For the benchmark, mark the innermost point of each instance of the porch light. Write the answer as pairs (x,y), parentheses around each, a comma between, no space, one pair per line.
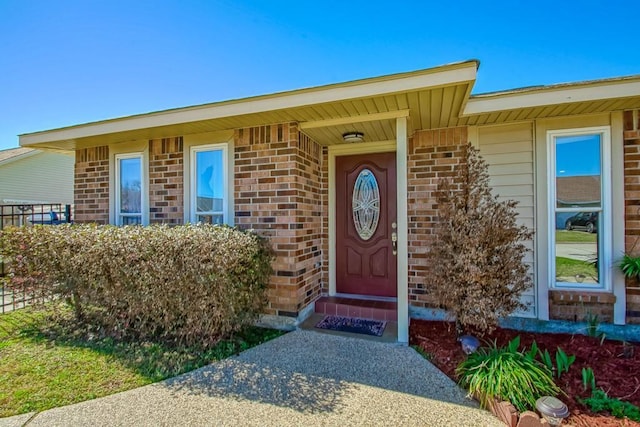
(552,410)
(353,136)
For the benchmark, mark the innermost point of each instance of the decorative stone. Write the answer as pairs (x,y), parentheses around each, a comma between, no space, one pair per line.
(531,419)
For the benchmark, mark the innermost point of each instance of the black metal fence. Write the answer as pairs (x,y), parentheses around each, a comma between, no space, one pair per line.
(26,215)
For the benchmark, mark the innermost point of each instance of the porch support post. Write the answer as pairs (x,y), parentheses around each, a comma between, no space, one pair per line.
(402,230)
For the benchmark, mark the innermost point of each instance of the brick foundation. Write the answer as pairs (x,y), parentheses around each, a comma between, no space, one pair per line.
(280,191)
(576,306)
(91,185)
(166,181)
(432,155)
(632,205)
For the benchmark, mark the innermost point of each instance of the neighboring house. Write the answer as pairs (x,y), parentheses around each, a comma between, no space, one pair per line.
(341,178)
(29,176)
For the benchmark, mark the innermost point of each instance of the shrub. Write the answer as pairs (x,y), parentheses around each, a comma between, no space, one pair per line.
(508,374)
(190,284)
(601,402)
(476,267)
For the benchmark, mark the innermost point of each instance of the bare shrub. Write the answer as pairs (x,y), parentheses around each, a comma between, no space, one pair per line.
(190,284)
(475,264)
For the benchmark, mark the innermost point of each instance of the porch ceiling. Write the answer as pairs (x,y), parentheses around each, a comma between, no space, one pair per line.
(431,98)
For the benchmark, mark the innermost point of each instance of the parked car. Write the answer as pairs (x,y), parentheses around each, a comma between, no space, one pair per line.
(587,221)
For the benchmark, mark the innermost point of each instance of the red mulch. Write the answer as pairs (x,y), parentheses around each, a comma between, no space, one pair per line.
(616,369)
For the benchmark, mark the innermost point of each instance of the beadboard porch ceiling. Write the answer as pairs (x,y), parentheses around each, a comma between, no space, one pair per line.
(431,98)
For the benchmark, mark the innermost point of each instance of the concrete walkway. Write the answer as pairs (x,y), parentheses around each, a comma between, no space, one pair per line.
(303,378)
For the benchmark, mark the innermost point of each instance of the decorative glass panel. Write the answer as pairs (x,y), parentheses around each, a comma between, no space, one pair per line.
(366,204)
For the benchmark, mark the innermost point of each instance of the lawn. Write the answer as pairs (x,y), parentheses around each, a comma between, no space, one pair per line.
(569,268)
(44,366)
(564,236)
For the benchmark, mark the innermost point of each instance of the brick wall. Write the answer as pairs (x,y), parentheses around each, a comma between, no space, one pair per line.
(632,205)
(279,192)
(91,185)
(166,181)
(577,305)
(432,155)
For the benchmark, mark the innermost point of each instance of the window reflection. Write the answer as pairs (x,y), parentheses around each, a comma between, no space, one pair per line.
(209,191)
(130,186)
(578,208)
(577,248)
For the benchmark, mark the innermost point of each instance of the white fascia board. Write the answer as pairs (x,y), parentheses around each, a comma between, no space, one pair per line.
(481,105)
(266,103)
(20,157)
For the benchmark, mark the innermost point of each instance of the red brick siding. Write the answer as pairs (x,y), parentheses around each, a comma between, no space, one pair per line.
(166,181)
(325,219)
(278,188)
(577,305)
(91,185)
(432,155)
(632,205)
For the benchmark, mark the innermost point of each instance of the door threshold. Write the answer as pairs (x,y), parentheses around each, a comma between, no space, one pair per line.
(365,297)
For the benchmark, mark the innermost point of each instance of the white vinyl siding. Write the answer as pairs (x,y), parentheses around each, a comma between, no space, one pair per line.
(508,150)
(41,177)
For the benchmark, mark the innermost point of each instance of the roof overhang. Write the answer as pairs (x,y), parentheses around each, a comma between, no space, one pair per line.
(556,100)
(432,98)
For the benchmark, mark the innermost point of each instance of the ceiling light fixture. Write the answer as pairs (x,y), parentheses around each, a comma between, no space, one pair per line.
(353,136)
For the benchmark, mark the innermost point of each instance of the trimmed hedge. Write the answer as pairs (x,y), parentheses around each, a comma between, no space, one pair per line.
(190,284)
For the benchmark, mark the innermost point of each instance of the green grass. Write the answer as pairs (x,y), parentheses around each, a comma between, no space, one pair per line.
(564,236)
(568,267)
(44,366)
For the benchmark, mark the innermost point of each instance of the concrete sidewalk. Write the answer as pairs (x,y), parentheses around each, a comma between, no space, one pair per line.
(302,378)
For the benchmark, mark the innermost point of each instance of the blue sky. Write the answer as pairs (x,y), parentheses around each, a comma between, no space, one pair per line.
(69,62)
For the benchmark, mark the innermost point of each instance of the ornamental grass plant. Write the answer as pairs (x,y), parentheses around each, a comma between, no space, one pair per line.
(507,374)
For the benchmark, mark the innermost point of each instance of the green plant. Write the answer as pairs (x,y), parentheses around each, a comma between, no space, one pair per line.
(630,266)
(506,373)
(600,402)
(592,324)
(547,360)
(563,362)
(588,379)
(476,263)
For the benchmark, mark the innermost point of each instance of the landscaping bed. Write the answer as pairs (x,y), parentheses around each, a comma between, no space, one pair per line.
(616,365)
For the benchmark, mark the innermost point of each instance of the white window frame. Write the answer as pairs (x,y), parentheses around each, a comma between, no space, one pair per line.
(224,147)
(118,215)
(605,229)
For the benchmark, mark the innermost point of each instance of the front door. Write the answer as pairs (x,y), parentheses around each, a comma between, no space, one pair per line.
(366,224)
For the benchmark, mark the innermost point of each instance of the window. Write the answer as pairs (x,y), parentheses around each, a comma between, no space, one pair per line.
(209,184)
(580,240)
(129,189)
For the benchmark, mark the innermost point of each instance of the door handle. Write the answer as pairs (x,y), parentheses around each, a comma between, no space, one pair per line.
(394,242)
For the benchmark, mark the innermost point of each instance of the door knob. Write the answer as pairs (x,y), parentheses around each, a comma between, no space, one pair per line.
(394,242)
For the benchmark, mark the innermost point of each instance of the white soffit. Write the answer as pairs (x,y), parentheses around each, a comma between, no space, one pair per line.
(405,82)
(553,95)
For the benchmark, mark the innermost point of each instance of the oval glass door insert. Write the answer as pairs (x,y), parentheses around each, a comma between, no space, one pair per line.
(366,204)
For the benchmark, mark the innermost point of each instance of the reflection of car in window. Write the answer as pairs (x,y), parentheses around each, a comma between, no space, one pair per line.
(587,221)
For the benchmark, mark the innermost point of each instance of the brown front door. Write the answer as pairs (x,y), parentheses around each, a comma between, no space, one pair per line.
(365,224)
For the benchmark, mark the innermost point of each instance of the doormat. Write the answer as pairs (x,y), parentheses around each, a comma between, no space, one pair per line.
(349,324)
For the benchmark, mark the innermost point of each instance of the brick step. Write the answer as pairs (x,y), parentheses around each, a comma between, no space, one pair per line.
(360,308)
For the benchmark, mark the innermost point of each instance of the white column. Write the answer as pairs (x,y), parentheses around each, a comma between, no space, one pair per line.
(403,248)
(617,216)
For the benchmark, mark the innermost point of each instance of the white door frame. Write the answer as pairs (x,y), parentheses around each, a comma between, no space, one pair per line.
(399,146)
